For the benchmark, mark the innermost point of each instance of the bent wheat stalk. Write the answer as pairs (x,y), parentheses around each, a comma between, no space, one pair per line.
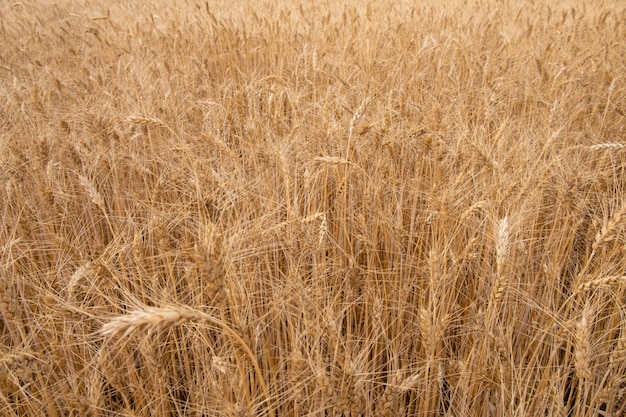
(154,318)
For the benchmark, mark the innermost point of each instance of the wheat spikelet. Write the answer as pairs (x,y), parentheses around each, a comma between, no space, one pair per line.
(607,147)
(410,382)
(377,316)
(296,371)
(500,284)
(79,406)
(390,395)
(16,371)
(324,384)
(332,160)
(17,359)
(358,114)
(150,319)
(582,344)
(80,273)
(220,365)
(426,328)
(147,121)
(477,206)
(604,282)
(442,377)
(92,191)
(611,228)
(620,350)
(323,231)
(209,257)
(502,243)
(8,299)
(394,389)
(238,409)
(313,217)
(222,146)
(352,396)
(497,291)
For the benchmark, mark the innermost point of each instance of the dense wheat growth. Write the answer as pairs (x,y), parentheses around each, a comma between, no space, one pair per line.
(389,208)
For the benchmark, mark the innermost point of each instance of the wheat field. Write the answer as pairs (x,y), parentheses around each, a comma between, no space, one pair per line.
(393,208)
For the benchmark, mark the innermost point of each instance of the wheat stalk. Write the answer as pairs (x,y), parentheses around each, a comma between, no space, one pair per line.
(607,146)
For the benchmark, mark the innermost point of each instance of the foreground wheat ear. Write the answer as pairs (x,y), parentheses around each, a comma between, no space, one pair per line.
(288,208)
(149,319)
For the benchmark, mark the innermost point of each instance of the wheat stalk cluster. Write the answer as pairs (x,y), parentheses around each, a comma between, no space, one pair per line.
(293,208)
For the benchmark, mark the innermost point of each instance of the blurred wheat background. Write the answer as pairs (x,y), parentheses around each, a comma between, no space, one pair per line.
(390,208)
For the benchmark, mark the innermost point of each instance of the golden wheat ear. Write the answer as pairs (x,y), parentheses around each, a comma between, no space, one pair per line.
(611,228)
(149,319)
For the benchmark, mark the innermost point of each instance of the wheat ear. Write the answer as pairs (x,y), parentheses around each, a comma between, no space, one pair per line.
(151,319)
(502,244)
(611,228)
(332,160)
(582,350)
(604,282)
(148,121)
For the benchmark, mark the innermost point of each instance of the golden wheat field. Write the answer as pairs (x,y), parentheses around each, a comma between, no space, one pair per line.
(286,208)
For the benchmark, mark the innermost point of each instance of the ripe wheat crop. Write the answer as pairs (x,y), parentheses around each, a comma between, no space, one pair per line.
(283,208)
